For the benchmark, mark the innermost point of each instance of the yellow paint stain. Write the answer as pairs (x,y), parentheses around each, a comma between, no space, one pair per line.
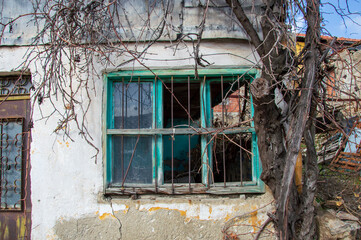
(97,212)
(182,213)
(67,144)
(210,211)
(235,209)
(21,226)
(59,142)
(227,217)
(105,215)
(50,237)
(125,211)
(254,220)
(6,234)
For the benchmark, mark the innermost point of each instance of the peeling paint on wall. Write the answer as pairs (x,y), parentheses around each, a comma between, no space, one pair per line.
(167,218)
(67,186)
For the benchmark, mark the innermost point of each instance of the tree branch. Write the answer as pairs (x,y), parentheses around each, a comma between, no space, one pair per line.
(246,24)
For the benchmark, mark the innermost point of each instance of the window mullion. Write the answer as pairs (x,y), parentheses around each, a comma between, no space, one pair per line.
(205,139)
(109,123)
(158,124)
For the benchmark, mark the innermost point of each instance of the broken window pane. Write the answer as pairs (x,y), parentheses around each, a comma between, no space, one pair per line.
(180,107)
(235,109)
(237,157)
(186,114)
(180,158)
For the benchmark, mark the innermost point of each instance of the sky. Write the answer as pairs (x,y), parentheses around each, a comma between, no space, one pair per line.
(348,26)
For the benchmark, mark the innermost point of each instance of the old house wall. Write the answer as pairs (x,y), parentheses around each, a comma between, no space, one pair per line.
(67,181)
(347,81)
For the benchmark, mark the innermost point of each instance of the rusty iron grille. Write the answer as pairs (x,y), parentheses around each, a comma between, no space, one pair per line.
(181,136)
(15,85)
(11,130)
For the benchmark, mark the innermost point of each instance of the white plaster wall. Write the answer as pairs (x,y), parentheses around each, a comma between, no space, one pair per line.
(65,180)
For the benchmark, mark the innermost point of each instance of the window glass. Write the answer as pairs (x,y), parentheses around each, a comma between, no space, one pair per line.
(132,103)
(11,163)
(132,159)
(203,135)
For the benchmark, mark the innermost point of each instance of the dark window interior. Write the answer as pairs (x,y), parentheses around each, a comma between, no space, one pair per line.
(237,160)
(186,148)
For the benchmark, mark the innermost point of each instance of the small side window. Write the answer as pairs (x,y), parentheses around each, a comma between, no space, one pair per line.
(14,97)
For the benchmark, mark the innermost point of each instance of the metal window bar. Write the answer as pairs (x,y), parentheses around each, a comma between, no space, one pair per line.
(239,120)
(205,171)
(139,99)
(172,123)
(155,138)
(131,160)
(189,136)
(11,197)
(186,131)
(223,148)
(139,112)
(15,85)
(122,139)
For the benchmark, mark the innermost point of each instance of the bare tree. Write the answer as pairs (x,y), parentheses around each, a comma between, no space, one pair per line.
(294,217)
(74,35)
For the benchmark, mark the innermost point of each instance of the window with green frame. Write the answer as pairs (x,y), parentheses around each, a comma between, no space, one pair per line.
(167,132)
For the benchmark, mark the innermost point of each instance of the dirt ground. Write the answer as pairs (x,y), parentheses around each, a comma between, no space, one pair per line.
(339,191)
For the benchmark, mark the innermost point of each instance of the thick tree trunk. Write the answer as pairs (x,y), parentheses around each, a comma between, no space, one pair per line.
(269,133)
(299,119)
(279,149)
(308,227)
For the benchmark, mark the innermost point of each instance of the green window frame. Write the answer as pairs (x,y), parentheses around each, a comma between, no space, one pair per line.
(155,83)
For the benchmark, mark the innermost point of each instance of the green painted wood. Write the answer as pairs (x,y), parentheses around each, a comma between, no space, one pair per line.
(180,190)
(180,75)
(178,131)
(159,125)
(159,104)
(184,73)
(258,164)
(154,159)
(154,125)
(204,139)
(209,118)
(159,152)
(180,185)
(257,167)
(105,123)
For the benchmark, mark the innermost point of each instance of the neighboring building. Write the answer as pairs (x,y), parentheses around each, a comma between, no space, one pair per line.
(342,80)
(344,88)
(175,161)
(339,104)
